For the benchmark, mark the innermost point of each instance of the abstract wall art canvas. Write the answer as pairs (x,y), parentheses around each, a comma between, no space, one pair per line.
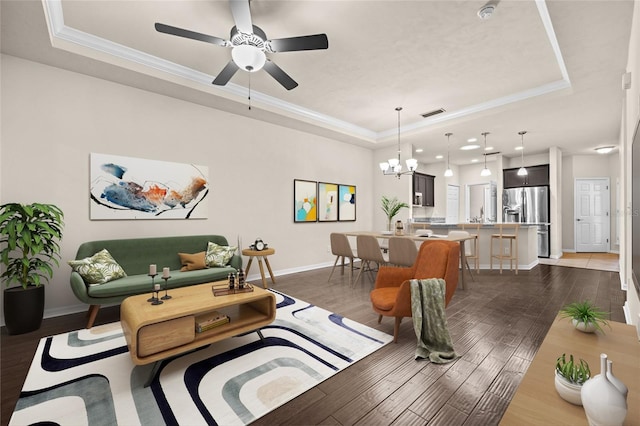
(135,188)
(305,196)
(346,203)
(327,202)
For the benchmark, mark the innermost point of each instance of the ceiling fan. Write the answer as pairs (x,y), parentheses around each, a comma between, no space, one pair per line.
(249,46)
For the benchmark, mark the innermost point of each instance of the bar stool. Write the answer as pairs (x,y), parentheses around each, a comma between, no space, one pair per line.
(512,238)
(473,252)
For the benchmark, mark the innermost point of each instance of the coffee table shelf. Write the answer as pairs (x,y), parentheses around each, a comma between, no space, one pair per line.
(157,332)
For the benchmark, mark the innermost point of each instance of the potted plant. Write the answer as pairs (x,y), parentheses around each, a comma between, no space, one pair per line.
(29,235)
(585,316)
(569,378)
(391,207)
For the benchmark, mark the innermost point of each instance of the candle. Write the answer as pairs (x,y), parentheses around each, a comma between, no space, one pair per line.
(156,287)
(152,269)
(165,272)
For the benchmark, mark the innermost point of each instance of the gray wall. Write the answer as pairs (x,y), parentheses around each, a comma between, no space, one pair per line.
(53,119)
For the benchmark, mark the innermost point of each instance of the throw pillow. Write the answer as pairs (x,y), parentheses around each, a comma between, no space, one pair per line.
(98,269)
(219,255)
(192,262)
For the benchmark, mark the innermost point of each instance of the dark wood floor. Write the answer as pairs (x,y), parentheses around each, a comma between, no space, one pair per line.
(497,325)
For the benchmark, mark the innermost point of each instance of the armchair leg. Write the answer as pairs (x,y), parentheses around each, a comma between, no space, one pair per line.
(396,329)
(92,313)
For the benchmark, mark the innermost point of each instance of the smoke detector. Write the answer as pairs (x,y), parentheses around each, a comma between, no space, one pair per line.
(486,11)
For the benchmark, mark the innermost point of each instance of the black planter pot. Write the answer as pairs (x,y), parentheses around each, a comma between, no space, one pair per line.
(23,309)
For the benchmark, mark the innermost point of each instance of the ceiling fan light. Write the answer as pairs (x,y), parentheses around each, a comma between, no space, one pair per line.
(485,172)
(248,58)
(412,164)
(522,171)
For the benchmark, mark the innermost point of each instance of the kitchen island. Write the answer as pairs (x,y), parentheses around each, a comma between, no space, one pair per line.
(527,241)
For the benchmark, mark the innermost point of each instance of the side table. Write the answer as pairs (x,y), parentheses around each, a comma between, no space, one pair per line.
(260,255)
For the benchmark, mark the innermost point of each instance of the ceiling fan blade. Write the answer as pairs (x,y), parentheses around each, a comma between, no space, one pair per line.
(281,76)
(225,75)
(241,15)
(310,42)
(180,32)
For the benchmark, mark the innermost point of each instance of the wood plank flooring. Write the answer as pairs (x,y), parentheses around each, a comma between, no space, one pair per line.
(497,325)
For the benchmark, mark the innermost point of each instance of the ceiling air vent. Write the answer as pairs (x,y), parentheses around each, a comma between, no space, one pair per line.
(432,113)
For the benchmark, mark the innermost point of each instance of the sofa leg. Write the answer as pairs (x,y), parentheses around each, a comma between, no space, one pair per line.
(92,313)
(396,329)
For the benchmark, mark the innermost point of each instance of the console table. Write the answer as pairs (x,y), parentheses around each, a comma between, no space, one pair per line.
(536,401)
(157,332)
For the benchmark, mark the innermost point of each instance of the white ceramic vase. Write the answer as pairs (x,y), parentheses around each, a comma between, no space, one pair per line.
(568,391)
(587,327)
(615,381)
(603,403)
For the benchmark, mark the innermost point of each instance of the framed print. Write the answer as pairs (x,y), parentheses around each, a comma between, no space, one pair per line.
(346,203)
(138,188)
(305,198)
(327,202)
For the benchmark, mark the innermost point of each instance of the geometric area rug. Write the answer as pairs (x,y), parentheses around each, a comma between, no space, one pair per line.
(86,377)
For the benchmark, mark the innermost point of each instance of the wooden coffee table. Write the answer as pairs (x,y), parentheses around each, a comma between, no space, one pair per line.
(157,332)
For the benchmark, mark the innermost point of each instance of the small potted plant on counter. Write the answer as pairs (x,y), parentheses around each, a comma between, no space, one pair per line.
(570,376)
(585,316)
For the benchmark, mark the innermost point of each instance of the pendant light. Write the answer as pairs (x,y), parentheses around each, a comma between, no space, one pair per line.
(485,172)
(392,167)
(448,172)
(522,171)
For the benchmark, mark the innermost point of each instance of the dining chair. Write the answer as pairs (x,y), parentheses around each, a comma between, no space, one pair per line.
(467,248)
(391,295)
(369,251)
(402,251)
(341,248)
(503,254)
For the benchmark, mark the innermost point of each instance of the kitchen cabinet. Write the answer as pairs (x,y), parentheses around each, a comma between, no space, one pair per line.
(536,176)
(423,184)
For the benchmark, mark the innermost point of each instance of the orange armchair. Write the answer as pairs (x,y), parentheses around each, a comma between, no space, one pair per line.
(391,296)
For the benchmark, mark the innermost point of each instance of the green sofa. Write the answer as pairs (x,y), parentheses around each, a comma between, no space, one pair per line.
(134,256)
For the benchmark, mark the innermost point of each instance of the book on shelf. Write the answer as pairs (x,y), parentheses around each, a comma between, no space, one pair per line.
(210,320)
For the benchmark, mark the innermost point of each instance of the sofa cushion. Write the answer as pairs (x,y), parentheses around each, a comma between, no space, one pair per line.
(98,269)
(192,262)
(218,255)
(138,284)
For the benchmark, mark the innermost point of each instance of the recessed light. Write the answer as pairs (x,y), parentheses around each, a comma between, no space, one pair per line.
(489,148)
(469,147)
(439,157)
(518,148)
(486,11)
(419,150)
(604,149)
(470,140)
(475,160)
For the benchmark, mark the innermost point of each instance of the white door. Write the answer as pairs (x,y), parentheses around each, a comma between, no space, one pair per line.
(592,219)
(453,203)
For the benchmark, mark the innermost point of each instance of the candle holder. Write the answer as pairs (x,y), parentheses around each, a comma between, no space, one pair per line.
(153,288)
(166,296)
(155,300)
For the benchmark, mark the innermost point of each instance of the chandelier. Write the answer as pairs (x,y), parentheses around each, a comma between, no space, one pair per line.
(522,171)
(392,167)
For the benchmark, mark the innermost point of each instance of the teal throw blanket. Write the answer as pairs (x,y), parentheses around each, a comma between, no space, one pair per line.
(430,321)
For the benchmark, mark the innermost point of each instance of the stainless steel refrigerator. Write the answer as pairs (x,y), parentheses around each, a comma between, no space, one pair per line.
(529,205)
